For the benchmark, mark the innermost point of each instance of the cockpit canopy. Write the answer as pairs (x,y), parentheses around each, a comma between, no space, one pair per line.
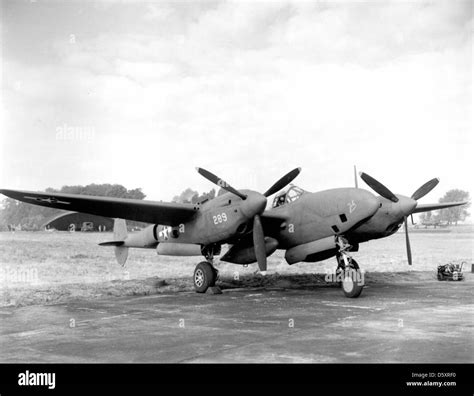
(292,194)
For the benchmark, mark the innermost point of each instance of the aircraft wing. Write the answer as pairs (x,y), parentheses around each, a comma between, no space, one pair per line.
(171,214)
(430,207)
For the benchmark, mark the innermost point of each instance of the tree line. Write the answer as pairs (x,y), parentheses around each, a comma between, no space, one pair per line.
(448,216)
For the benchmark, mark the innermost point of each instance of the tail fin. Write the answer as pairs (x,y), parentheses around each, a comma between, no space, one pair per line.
(121,254)
(120,229)
(120,234)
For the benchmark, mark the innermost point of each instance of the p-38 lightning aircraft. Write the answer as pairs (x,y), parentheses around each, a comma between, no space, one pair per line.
(310,227)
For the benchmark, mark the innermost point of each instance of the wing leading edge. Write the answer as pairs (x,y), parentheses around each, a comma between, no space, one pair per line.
(429,207)
(171,214)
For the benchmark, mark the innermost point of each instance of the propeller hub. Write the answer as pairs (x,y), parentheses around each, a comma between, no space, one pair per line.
(407,205)
(254,204)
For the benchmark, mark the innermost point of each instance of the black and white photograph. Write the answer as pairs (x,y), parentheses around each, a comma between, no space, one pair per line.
(270,188)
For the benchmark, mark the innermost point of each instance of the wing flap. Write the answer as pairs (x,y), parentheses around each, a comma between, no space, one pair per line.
(164,213)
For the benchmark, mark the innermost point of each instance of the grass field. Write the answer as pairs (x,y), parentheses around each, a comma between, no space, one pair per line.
(42,267)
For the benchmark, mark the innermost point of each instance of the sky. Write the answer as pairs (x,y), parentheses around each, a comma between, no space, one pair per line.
(141,93)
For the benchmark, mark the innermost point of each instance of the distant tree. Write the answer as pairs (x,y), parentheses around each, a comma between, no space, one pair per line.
(204,196)
(101,190)
(191,196)
(425,217)
(457,213)
(136,193)
(185,196)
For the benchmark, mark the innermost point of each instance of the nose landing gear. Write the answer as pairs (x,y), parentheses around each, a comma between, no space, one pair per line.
(348,270)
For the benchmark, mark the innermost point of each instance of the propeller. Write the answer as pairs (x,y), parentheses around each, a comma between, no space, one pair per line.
(425,189)
(407,241)
(220,182)
(283,182)
(378,187)
(259,243)
(405,205)
(258,233)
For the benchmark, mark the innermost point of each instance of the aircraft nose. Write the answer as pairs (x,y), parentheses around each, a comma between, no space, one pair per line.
(254,204)
(371,202)
(407,205)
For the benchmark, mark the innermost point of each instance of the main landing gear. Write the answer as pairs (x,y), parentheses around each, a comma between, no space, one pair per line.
(352,280)
(205,274)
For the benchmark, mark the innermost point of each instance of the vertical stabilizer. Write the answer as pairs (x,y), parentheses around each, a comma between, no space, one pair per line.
(120,230)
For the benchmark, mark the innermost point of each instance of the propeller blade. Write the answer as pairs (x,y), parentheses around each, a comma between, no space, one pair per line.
(259,243)
(220,182)
(425,189)
(412,222)
(283,182)
(407,240)
(355,177)
(378,187)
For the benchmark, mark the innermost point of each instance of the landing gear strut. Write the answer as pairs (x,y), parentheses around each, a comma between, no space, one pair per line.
(205,275)
(348,270)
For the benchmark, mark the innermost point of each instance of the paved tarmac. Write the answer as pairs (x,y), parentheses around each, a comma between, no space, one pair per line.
(425,321)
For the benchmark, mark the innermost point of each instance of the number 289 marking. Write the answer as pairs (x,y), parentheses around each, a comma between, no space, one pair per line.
(219,218)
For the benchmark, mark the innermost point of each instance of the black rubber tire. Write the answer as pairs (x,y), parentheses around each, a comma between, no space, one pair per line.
(205,276)
(354,264)
(350,287)
(339,269)
(216,276)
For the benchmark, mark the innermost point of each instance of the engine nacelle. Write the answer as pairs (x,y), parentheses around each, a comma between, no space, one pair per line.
(305,251)
(244,252)
(178,249)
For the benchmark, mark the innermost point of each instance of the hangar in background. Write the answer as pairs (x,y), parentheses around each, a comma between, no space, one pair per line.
(74,221)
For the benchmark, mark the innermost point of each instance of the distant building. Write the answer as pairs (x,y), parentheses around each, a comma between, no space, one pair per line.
(79,222)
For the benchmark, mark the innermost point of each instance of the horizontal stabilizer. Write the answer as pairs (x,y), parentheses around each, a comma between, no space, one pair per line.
(111,243)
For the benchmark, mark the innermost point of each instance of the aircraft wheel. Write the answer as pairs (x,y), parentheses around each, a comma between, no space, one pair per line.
(340,269)
(352,283)
(205,276)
